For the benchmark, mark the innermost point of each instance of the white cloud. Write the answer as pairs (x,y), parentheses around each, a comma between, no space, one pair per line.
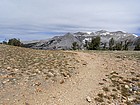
(37,16)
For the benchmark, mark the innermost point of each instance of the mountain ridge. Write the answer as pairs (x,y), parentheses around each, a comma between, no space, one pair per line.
(65,42)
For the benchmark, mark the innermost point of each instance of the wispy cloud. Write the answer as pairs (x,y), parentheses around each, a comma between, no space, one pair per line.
(38,19)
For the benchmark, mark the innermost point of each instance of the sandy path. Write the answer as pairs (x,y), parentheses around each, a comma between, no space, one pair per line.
(76,89)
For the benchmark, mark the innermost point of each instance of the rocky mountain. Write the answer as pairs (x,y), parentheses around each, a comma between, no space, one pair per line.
(65,42)
(58,42)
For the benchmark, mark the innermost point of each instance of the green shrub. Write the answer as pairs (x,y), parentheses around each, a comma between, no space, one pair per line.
(14,42)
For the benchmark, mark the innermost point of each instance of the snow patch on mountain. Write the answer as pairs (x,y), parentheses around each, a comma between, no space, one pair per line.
(135,35)
(88,33)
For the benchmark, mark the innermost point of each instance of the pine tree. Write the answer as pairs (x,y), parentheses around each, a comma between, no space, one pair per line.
(111,44)
(137,47)
(118,46)
(94,44)
(125,47)
(75,46)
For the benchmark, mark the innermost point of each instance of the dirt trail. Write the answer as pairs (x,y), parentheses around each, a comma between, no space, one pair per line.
(63,87)
(92,69)
(76,89)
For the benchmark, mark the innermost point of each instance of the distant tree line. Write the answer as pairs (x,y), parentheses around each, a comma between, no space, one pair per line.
(95,43)
(118,45)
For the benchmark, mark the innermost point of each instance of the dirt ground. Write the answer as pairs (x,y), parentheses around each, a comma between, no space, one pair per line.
(81,87)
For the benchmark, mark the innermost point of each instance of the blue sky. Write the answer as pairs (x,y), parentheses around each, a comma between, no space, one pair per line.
(41,19)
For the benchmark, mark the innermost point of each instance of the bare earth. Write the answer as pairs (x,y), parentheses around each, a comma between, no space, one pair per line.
(81,88)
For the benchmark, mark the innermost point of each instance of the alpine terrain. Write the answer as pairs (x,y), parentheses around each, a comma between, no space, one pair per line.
(65,42)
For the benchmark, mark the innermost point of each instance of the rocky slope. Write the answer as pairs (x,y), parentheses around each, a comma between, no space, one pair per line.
(24,70)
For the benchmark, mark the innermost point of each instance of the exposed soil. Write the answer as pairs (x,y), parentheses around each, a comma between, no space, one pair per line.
(38,77)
